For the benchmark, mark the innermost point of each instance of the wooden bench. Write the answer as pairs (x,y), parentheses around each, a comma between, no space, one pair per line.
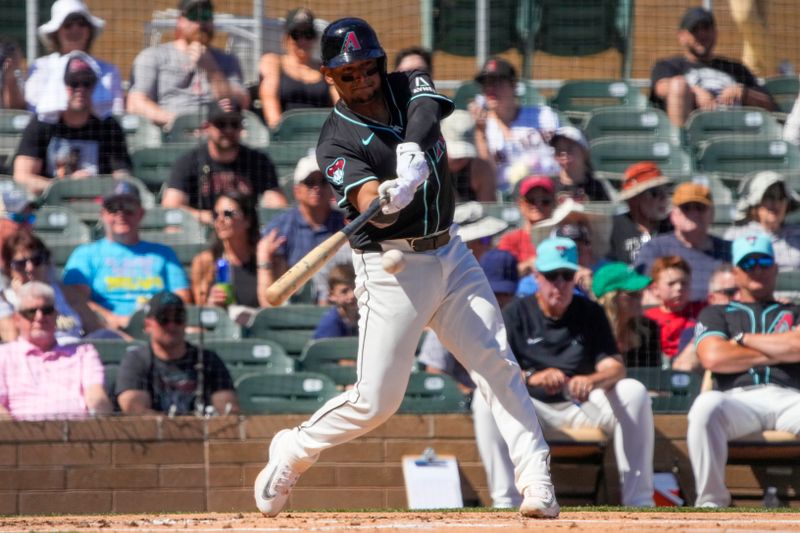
(581,448)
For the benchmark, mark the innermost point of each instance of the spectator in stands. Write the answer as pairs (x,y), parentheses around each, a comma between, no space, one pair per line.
(618,288)
(236,235)
(752,347)
(764,201)
(575,176)
(691,216)
(722,288)
(645,190)
(164,376)
(293,80)
(342,319)
(414,58)
(473,176)
(698,79)
(292,234)
(74,143)
(120,272)
(11,88)
(477,229)
(675,313)
(536,203)
(17,215)
(221,164)
(40,379)
(509,136)
(501,270)
(72,28)
(574,370)
(184,75)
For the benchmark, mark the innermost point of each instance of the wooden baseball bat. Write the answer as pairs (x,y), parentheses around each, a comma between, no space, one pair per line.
(303,270)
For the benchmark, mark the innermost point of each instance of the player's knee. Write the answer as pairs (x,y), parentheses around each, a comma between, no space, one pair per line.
(380,406)
(705,409)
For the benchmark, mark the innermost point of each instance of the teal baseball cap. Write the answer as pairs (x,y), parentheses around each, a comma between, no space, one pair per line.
(618,276)
(745,245)
(556,253)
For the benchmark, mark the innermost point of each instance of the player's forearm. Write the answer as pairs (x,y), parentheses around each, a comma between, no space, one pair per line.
(782,347)
(33,183)
(423,122)
(725,357)
(140,104)
(607,375)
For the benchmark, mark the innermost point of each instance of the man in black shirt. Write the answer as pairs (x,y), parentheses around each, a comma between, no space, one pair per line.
(382,140)
(163,377)
(77,144)
(220,164)
(699,80)
(752,347)
(573,368)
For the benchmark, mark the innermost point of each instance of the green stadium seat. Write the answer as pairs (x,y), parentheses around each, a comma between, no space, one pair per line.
(300,125)
(615,154)
(12,124)
(215,322)
(432,393)
(112,351)
(291,326)
(740,155)
(703,125)
(298,393)
(153,165)
(252,356)
(670,391)
(334,357)
(286,154)
(584,96)
(110,372)
(454,26)
(139,131)
(186,128)
(60,225)
(85,196)
(784,90)
(627,121)
(788,285)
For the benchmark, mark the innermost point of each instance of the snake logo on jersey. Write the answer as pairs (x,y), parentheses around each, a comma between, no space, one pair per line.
(350,43)
(783,323)
(335,171)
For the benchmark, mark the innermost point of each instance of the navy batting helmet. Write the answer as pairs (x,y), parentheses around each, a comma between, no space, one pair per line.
(348,40)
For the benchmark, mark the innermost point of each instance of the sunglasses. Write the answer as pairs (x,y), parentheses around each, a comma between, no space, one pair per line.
(693,206)
(21,218)
(730,293)
(200,14)
(541,202)
(349,78)
(776,196)
(309,35)
(36,260)
(749,264)
(657,192)
(30,314)
(75,21)
(125,208)
(311,183)
(232,124)
(230,214)
(80,84)
(178,318)
(566,275)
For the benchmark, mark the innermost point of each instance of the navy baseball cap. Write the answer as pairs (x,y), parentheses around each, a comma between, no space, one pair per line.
(163,301)
(123,190)
(500,268)
(696,15)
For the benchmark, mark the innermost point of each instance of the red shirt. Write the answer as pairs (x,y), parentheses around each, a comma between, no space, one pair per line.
(518,243)
(672,324)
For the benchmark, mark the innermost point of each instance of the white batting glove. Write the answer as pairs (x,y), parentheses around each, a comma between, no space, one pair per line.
(412,167)
(398,195)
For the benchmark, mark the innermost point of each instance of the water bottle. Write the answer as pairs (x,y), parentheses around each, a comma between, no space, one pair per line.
(771,499)
(224,279)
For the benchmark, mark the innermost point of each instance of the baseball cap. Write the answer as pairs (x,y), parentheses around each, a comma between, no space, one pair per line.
(123,190)
(556,253)
(575,232)
(758,243)
(474,223)
(13,203)
(618,276)
(640,177)
(185,5)
(79,68)
(691,192)
(573,134)
(500,268)
(458,131)
(161,302)
(299,19)
(752,190)
(696,15)
(305,167)
(497,68)
(224,108)
(531,182)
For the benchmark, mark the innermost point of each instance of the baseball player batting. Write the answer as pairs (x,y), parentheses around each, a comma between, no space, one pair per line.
(383,139)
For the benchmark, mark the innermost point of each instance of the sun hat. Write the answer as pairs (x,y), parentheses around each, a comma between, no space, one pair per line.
(473,223)
(752,190)
(59,12)
(640,177)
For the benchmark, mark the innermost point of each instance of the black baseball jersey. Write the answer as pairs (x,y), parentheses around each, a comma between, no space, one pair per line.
(574,343)
(727,321)
(353,150)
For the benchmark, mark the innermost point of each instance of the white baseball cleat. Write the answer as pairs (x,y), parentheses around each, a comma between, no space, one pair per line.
(539,502)
(275,481)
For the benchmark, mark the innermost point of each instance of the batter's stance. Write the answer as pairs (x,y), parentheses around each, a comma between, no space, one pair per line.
(383,139)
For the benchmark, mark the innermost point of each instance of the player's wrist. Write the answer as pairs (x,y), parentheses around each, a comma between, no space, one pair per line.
(408,147)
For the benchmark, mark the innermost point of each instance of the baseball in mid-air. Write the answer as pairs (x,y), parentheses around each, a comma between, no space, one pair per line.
(393,261)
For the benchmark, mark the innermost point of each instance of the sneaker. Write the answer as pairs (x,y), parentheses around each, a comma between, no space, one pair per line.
(275,481)
(539,502)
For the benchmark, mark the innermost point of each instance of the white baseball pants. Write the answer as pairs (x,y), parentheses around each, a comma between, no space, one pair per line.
(717,417)
(447,290)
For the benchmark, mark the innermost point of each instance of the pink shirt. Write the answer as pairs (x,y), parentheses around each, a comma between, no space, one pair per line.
(36,384)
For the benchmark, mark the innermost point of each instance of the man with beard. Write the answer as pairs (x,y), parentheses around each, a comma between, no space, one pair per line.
(180,76)
(699,80)
(221,164)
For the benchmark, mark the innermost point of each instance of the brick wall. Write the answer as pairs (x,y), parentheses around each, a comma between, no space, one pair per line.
(186,464)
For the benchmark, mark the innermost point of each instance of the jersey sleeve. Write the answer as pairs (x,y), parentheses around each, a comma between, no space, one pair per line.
(711,322)
(32,143)
(420,85)
(344,168)
(183,173)
(145,73)
(133,372)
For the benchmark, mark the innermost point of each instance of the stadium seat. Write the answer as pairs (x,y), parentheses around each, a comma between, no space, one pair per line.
(215,322)
(527,93)
(703,125)
(84,196)
(186,128)
(300,125)
(788,285)
(291,326)
(60,225)
(112,351)
(298,393)
(432,393)
(627,121)
(454,26)
(285,154)
(584,96)
(670,391)
(615,154)
(139,131)
(335,357)
(784,90)
(153,165)
(265,214)
(12,124)
(506,211)
(252,356)
(739,155)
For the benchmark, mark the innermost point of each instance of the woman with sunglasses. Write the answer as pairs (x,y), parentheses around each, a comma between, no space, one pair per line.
(576,178)
(293,80)
(236,234)
(73,28)
(764,201)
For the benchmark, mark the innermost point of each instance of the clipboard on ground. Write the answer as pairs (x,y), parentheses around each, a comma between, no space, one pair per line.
(432,482)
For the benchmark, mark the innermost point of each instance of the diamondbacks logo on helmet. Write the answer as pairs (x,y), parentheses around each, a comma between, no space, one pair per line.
(335,171)
(350,43)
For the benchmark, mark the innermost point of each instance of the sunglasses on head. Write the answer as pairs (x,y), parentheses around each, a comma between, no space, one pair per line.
(230,214)
(30,313)
(309,35)
(80,84)
(233,123)
(21,218)
(348,77)
(200,14)
(555,275)
(120,207)
(750,263)
(729,292)
(36,260)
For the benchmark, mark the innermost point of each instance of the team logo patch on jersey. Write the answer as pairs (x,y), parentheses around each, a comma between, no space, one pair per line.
(421,85)
(335,171)
(438,149)
(350,43)
(783,323)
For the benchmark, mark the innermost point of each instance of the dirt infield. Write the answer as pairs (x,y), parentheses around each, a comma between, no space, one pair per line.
(572,521)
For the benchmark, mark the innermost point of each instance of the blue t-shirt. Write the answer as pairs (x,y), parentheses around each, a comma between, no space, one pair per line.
(332,325)
(301,238)
(120,276)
